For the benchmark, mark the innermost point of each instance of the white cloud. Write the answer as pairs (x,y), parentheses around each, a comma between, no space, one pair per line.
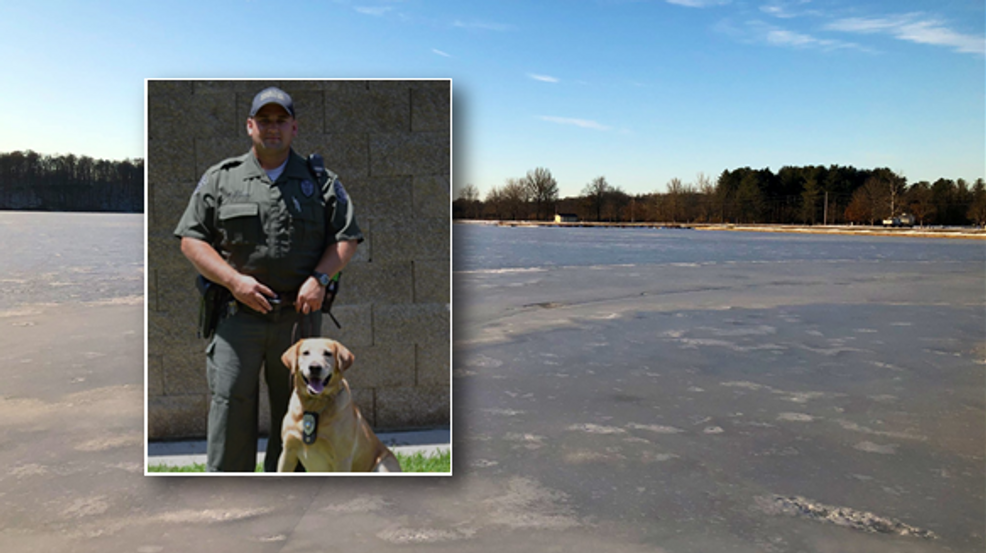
(698,3)
(440,53)
(484,26)
(543,78)
(869,25)
(775,11)
(786,9)
(759,32)
(375,11)
(584,123)
(783,37)
(913,27)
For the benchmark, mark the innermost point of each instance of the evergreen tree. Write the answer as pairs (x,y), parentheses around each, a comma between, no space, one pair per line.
(977,209)
(809,201)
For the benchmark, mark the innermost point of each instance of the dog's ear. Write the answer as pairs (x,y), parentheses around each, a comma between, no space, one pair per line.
(344,356)
(290,357)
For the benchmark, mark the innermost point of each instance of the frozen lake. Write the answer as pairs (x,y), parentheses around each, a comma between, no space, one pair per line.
(70,257)
(615,390)
(712,391)
(489,247)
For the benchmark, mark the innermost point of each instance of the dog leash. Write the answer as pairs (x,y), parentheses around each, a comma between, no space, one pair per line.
(305,324)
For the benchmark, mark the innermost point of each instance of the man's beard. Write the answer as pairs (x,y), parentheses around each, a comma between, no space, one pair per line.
(273,145)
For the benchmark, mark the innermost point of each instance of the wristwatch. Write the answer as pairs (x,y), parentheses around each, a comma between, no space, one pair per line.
(322,278)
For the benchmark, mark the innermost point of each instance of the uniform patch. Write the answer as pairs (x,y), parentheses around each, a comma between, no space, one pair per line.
(341,192)
(307,188)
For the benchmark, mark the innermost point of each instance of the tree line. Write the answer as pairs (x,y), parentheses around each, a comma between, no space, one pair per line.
(36,182)
(804,195)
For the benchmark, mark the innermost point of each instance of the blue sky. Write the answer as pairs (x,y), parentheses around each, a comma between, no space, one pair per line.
(637,91)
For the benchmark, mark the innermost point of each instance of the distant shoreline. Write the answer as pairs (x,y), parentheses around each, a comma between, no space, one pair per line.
(44,210)
(969,233)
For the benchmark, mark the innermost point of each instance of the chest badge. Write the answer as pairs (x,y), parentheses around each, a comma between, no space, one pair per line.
(307,188)
(309,428)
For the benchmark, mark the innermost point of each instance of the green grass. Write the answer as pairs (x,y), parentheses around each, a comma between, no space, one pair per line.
(419,462)
(197,467)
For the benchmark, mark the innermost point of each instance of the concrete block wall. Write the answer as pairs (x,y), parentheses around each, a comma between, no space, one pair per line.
(390,144)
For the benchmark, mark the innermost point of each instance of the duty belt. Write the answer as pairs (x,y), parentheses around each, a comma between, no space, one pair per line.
(281,302)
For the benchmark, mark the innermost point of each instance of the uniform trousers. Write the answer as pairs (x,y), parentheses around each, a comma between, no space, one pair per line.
(243,343)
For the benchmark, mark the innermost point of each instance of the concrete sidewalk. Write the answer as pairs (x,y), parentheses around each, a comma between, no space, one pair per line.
(177,454)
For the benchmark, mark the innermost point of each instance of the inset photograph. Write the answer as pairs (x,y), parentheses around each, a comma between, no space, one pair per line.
(298,277)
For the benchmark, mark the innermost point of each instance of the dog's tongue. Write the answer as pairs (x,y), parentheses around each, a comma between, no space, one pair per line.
(316,387)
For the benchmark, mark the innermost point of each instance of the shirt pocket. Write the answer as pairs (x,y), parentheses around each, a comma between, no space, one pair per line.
(240,223)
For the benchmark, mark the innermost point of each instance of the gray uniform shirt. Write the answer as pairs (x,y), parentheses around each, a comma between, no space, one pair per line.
(276,231)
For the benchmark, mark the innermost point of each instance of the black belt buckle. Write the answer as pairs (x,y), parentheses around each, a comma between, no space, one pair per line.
(279,302)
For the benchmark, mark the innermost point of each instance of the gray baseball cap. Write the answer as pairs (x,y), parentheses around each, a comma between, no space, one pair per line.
(272,95)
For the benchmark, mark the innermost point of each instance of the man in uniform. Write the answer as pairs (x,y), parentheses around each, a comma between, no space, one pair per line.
(270,229)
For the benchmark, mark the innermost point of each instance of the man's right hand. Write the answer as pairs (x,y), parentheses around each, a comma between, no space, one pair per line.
(248,291)
(209,264)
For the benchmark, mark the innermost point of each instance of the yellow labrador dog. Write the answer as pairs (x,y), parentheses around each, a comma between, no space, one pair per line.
(323,429)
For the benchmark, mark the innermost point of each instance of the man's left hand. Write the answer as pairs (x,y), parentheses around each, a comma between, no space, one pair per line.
(310,297)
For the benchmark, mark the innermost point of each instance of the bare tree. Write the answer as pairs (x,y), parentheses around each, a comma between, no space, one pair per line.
(468,201)
(706,189)
(469,193)
(615,204)
(542,190)
(673,198)
(494,203)
(29,180)
(860,209)
(595,193)
(515,198)
(635,209)
(896,186)
(869,202)
(891,195)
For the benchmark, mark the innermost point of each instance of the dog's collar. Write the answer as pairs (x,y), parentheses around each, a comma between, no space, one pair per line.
(309,427)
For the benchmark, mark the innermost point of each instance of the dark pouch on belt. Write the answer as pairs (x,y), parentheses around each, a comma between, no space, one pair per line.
(212,305)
